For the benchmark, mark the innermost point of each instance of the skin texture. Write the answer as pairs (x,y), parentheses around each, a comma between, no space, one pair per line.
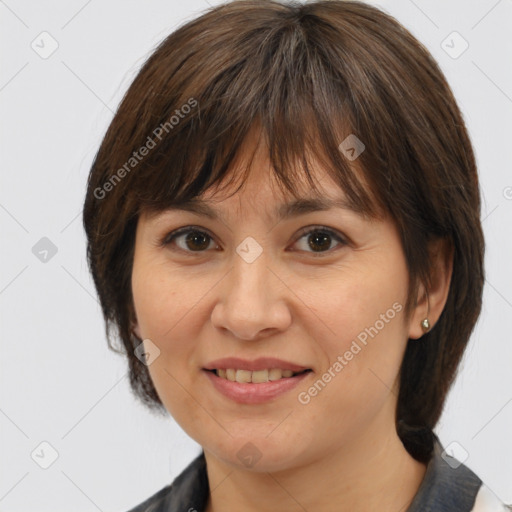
(340,451)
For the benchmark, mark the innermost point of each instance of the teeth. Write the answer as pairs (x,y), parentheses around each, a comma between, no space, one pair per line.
(275,374)
(243,376)
(259,376)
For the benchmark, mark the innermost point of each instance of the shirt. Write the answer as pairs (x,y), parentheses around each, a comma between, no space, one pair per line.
(448,486)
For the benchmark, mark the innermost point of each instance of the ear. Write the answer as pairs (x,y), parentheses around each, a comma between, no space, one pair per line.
(136,330)
(430,302)
(134,324)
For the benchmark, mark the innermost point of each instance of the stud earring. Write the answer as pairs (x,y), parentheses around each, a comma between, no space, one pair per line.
(425,324)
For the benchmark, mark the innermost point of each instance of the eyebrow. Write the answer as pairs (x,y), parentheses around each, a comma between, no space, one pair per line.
(284,211)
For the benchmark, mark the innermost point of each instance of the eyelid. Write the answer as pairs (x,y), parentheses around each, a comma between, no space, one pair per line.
(169,237)
(335,234)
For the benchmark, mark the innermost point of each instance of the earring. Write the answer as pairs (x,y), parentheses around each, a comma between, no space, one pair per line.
(425,325)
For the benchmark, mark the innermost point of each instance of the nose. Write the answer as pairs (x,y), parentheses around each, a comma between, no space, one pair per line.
(251,301)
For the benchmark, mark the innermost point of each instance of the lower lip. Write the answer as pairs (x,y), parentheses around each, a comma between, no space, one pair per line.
(250,393)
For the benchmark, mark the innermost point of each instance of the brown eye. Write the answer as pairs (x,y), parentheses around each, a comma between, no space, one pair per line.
(319,240)
(196,240)
(189,240)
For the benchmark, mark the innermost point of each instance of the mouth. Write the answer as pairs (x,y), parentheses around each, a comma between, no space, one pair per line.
(254,387)
(256,377)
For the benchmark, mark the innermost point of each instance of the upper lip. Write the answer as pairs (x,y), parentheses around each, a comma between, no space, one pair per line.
(262,363)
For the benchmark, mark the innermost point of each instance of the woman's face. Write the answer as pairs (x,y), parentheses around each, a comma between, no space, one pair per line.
(320,290)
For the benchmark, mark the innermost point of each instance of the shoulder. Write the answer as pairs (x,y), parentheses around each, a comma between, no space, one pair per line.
(450,486)
(188,492)
(486,501)
(154,503)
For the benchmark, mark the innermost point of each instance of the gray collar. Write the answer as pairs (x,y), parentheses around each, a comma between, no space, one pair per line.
(446,487)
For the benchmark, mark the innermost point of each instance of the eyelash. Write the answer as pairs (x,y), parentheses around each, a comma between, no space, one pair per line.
(171,237)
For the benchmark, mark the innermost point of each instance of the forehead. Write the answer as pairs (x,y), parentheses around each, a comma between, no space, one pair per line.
(274,207)
(253,184)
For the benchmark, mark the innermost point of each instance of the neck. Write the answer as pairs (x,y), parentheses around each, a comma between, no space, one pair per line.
(373,473)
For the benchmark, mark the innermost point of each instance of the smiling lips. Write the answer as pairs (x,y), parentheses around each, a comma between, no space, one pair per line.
(253,382)
(262,363)
(256,377)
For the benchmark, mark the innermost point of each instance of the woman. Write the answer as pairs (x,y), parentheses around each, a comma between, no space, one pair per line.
(283,228)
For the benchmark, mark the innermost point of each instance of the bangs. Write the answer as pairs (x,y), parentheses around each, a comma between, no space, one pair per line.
(285,92)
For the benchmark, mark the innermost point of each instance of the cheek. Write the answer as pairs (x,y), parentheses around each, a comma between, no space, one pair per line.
(164,298)
(363,303)
(165,304)
(362,335)
(170,309)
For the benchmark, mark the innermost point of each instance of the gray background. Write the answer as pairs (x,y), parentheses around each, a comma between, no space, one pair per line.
(59,383)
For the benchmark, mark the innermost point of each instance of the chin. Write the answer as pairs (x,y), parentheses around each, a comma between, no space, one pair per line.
(259,452)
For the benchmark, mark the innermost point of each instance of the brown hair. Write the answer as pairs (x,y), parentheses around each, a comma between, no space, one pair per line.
(309,75)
